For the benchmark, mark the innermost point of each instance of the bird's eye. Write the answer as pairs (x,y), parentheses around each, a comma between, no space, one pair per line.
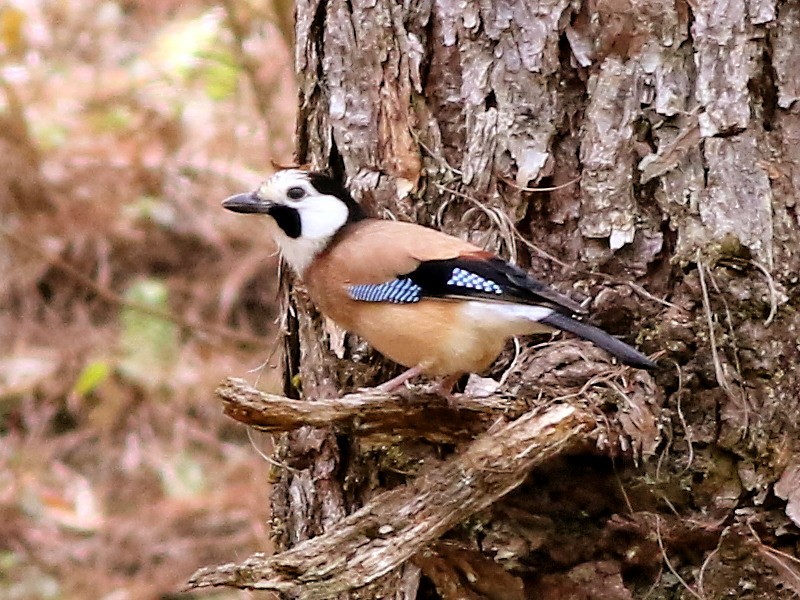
(295,193)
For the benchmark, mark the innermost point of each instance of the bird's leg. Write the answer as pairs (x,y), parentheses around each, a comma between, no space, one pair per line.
(445,388)
(398,381)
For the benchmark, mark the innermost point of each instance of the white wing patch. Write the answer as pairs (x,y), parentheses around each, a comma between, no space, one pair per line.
(462,278)
(505,318)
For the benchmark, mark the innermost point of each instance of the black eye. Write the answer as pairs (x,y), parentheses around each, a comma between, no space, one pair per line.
(295,193)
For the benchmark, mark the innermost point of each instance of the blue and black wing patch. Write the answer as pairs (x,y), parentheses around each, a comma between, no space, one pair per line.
(406,289)
(397,291)
(483,276)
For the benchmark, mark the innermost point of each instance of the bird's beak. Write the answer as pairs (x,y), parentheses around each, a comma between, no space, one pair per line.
(249,203)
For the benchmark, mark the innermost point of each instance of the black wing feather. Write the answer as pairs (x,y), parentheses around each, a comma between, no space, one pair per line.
(494,279)
(504,282)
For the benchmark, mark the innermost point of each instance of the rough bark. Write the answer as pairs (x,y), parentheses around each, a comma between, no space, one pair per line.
(668,138)
(395,525)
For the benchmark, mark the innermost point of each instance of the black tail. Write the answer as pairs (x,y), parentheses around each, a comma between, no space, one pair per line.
(624,352)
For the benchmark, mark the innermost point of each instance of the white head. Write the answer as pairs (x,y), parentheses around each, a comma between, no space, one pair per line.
(308,207)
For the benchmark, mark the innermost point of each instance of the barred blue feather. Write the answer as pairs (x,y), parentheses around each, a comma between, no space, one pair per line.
(396,291)
(404,290)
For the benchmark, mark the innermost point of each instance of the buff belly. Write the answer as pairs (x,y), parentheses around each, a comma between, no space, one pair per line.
(445,337)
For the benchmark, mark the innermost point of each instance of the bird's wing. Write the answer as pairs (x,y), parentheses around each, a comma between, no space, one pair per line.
(484,275)
(388,261)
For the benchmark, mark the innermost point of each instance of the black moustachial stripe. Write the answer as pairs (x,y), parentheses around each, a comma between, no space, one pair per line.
(325,184)
(287,218)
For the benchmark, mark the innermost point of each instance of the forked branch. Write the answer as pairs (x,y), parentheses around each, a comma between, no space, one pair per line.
(398,523)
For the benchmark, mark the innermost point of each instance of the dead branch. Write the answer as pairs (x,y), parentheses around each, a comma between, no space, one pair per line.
(398,523)
(191,326)
(369,412)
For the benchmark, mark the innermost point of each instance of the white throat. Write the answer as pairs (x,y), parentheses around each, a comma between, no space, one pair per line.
(299,252)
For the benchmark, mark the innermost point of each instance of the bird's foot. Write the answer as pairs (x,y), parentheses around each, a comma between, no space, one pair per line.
(393,384)
(445,389)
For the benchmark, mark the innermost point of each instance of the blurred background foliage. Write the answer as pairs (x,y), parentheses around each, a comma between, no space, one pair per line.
(127,293)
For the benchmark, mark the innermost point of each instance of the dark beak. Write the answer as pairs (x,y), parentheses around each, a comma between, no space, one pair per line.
(247,203)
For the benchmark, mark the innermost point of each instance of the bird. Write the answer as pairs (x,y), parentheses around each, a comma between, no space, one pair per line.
(431,302)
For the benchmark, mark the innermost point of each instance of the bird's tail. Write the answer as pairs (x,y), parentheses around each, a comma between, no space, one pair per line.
(625,353)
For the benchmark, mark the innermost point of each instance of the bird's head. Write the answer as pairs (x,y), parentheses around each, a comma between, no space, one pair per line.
(308,207)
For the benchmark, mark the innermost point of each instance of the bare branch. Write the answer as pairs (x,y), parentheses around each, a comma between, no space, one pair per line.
(398,523)
(369,412)
(191,326)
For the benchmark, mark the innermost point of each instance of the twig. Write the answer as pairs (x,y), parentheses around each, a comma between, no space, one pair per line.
(653,587)
(634,286)
(113,298)
(368,413)
(672,570)
(553,188)
(263,96)
(701,574)
(266,457)
(504,224)
(719,372)
(500,220)
(773,294)
(729,322)
(686,432)
(396,524)
(513,365)
(781,559)
(433,154)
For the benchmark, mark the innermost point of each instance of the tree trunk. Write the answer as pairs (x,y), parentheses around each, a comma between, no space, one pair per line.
(666,140)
